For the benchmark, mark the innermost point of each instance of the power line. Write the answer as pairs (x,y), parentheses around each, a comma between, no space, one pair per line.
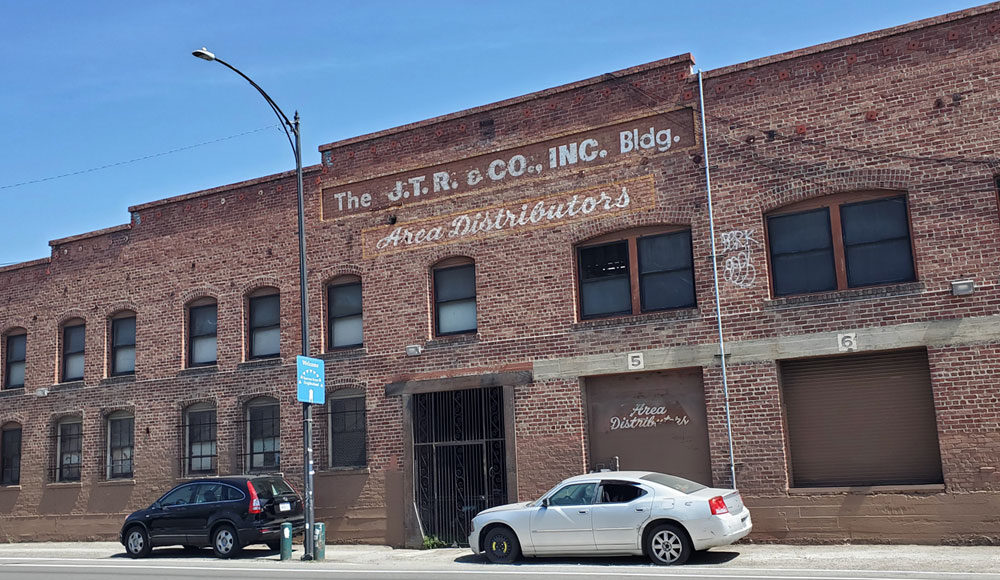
(137,159)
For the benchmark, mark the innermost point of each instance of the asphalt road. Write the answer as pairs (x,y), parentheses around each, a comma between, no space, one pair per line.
(102,560)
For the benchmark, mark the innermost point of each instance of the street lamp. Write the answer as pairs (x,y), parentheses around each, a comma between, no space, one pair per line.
(292,127)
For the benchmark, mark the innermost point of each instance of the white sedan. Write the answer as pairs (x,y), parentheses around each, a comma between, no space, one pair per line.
(614,513)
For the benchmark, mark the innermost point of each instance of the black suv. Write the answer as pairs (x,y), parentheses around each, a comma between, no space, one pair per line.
(225,513)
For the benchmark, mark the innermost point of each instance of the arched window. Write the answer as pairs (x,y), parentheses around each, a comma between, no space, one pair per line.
(69,448)
(264,332)
(202,344)
(10,454)
(454,296)
(15,355)
(839,242)
(643,270)
(263,436)
(344,320)
(348,436)
(73,346)
(122,341)
(200,439)
(121,444)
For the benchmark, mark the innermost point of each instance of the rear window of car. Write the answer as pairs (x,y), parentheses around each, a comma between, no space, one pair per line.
(679,483)
(268,487)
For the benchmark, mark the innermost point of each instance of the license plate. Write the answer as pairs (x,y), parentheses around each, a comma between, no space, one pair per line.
(284,506)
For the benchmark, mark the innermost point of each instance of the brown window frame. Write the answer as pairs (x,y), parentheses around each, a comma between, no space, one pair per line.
(64,353)
(113,348)
(833,204)
(450,264)
(8,362)
(252,303)
(631,237)
(200,305)
(341,282)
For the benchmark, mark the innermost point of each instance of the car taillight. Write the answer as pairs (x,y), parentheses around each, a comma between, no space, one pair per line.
(718,505)
(255,501)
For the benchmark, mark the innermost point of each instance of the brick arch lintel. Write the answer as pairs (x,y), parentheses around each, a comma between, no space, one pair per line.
(71,314)
(834,182)
(17,324)
(193,294)
(661,216)
(120,306)
(261,282)
(328,274)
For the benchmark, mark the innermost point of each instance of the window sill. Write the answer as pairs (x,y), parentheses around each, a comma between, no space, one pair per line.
(118,380)
(195,476)
(868,489)
(114,482)
(12,392)
(344,353)
(64,484)
(202,370)
(850,295)
(67,386)
(14,487)
(335,471)
(636,319)
(259,363)
(452,340)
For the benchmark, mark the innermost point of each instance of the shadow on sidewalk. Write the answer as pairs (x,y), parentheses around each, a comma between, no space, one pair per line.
(176,553)
(705,558)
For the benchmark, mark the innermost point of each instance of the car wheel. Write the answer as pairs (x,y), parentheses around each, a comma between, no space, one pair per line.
(137,542)
(501,545)
(225,542)
(274,546)
(668,544)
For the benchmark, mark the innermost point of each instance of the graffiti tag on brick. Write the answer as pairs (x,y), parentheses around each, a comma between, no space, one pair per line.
(737,246)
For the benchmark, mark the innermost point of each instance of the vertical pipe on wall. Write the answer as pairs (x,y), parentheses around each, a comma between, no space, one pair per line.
(715,273)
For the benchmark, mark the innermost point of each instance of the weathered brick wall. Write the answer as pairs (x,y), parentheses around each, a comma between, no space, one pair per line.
(888,110)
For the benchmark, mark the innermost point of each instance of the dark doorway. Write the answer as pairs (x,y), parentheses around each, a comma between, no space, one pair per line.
(460,459)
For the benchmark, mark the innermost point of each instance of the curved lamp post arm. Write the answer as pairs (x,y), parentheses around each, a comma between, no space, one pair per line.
(282,117)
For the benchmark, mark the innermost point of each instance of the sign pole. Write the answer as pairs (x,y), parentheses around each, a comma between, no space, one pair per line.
(311,390)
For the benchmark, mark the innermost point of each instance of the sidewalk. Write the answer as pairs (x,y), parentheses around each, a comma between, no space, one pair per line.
(974,559)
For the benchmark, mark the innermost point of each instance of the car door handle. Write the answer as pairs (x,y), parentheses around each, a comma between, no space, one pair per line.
(583,511)
(638,509)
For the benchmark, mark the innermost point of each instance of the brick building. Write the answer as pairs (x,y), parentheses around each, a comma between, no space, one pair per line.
(512,294)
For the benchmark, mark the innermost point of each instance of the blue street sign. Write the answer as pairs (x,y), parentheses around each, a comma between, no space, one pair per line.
(311,373)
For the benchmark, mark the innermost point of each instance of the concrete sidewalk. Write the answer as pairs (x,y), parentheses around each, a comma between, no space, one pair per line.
(965,559)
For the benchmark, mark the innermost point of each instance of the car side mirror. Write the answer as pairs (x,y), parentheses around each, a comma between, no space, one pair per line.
(156,505)
(545,502)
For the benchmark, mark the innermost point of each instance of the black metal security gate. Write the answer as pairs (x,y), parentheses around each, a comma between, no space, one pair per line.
(458,447)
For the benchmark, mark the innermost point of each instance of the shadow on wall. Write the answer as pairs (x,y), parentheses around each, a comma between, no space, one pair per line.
(59,500)
(8,499)
(111,499)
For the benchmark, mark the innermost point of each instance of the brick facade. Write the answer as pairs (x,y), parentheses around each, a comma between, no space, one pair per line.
(908,109)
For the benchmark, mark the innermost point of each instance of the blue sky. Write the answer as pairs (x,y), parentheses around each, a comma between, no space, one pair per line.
(97,83)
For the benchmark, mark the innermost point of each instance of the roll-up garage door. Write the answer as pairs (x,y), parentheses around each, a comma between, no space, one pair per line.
(650,421)
(865,419)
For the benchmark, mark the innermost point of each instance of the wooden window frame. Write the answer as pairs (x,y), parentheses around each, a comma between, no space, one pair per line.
(113,348)
(189,457)
(113,418)
(450,264)
(66,327)
(631,237)
(251,300)
(833,204)
(61,467)
(339,282)
(260,402)
(9,362)
(199,305)
(11,464)
(340,395)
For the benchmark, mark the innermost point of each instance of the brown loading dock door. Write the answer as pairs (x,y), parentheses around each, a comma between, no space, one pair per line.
(650,421)
(859,420)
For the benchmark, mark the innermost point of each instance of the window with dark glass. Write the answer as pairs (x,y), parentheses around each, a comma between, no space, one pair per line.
(73,347)
(659,265)
(69,448)
(10,455)
(265,326)
(455,299)
(840,245)
(123,346)
(202,329)
(347,429)
(344,307)
(15,355)
(199,432)
(120,445)
(263,428)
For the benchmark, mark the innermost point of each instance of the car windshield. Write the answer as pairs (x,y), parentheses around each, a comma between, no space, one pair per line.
(268,487)
(672,481)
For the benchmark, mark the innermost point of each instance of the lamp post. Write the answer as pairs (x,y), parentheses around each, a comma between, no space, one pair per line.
(292,127)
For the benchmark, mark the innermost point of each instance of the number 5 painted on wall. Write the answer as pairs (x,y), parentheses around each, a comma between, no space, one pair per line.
(635,361)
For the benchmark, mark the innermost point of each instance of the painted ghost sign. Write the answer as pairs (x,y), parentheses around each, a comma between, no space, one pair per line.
(615,198)
(659,133)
